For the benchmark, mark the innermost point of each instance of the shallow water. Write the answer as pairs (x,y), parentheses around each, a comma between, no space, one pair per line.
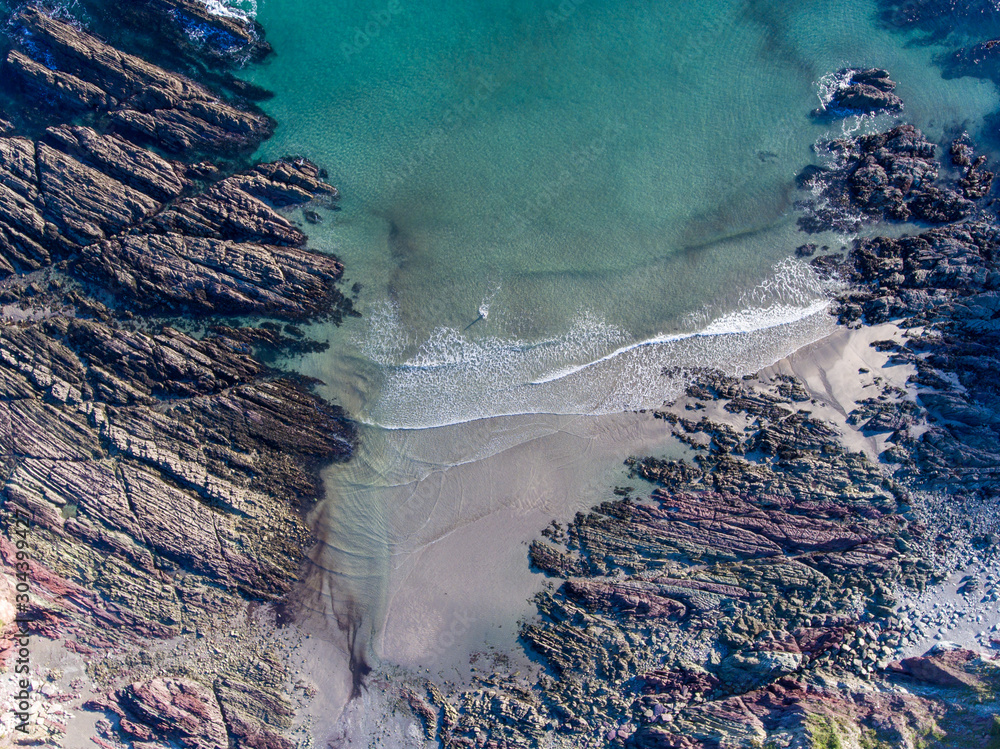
(576,180)
(548,205)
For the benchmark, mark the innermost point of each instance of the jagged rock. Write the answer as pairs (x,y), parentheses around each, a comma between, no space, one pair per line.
(976,182)
(181,273)
(68,90)
(167,475)
(552,561)
(944,668)
(146,101)
(165,507)
(137,168)
(248,711)
(961,152)
(176,709)
(889,176)
(861,91)
(237,208)
(87,204)
(690,678)
(223,34)
(188,34)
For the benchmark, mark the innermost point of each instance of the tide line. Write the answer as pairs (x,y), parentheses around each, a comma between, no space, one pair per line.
(714,330)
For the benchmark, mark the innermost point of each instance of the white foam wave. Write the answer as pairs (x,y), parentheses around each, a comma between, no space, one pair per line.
(592,368)
(385,340)
(830,84)
(734,323)
(242,9)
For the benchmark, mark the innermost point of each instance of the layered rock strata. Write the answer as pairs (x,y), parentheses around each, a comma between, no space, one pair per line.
(166,473)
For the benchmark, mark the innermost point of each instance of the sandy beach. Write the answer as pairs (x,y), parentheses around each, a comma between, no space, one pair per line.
(469,498)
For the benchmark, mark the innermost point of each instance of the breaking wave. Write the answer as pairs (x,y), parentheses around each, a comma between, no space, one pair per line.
(593,367)
(232,8)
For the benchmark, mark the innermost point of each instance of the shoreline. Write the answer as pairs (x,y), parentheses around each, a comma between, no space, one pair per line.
(799,539)
(458,548)
(781,585)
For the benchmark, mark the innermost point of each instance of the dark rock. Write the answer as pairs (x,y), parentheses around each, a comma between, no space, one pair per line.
(137,168)
(56,87)
(976,181)
(941,667)
(178,273)
(888,176)
(165,108)
(860,91)
(961,152)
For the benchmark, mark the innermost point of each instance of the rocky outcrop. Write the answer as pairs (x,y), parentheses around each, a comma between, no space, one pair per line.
(178,710)
(777,551)
(887,176)
(166,474)
(143,455)
(130,219)
(225,251)
(860,91)
(142,100)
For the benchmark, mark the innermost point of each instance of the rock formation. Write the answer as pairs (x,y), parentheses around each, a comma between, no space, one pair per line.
(860,91)
(166,473)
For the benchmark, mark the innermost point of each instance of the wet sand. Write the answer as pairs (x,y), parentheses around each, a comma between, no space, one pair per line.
(428,532)
(425,538)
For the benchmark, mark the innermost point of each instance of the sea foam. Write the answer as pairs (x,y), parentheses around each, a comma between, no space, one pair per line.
(593,367)
(232,8)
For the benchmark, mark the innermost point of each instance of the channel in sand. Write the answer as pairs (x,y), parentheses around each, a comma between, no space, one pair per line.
(426,539)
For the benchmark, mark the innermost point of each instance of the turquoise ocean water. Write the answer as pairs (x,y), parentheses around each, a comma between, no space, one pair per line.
(583,175)
(547,204)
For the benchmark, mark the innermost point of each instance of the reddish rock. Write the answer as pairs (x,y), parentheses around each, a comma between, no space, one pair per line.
(941,667)
(179,709)
(678,681)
